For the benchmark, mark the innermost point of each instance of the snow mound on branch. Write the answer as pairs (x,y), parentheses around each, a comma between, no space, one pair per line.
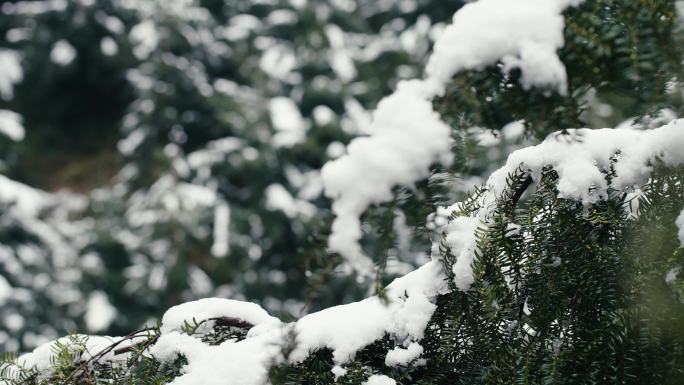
(209,308)
(581,157)
(407,136)
(343,329)
(526,35)
(346,329)
(42,357)
(245,362)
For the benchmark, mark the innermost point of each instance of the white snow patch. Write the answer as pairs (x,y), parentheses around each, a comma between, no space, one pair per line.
(207,308)
(378,379)
(42,357)
(278,61)
(463,243)
(288,122)
(526,36)
(220,246)
(27,199)
(128,145)
(145,38)
(246,362)
(338,371)
(11,125)
(405,316)
(62,53)
(108,46)
(10,72)
(5,290)
(581,155)
(671,275)
(407,136)
(278,198)
(403,356)
(99,312)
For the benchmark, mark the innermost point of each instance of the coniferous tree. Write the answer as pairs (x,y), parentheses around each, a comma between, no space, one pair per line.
(576,244)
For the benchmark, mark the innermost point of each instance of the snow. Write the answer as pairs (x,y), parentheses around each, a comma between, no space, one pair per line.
(34,7)
(338,371)
(62,53)
(580,158)
(377,379)
(207,308)
(43,356)
(340,328)
(405,316)
(231,363)
(220,246)
(10,72)
(409,306)
(323,115)
(403,139)
(99,312)
(527,35)
(582,155)
(405,136)
(462,243)
(288,122)
(27,199)
(134,139)
(279,199)
(145,38)
(403,356)
(278,61)
(680,224)
(11,125)
(5,290)
(671,275)
(108,46)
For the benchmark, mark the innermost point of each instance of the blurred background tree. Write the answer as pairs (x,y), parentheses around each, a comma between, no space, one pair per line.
(172,151)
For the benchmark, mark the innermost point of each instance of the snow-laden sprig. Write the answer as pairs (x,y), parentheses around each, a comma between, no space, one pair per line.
(407,136)
(582,158)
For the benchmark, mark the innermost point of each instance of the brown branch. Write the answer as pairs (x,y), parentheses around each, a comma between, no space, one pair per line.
(103,352)
(521,189)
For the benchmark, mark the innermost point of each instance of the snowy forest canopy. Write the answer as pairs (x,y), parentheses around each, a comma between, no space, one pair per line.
(210,179)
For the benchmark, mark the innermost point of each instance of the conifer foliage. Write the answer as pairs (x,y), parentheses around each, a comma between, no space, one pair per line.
(562,268)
